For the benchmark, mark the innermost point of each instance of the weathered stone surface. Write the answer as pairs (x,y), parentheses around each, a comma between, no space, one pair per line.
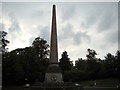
(53,69)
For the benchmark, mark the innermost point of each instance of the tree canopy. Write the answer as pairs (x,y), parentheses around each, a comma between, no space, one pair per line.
(65,62)
(29,62)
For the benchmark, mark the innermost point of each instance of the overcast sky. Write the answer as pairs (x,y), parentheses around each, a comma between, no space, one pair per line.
(80,26)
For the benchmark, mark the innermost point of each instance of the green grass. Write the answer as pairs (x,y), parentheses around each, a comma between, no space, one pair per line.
(100,83)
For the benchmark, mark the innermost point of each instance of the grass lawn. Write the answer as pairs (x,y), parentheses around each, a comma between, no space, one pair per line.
(112,82)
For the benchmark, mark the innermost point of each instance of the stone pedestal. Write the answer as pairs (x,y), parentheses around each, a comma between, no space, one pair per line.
(53,74)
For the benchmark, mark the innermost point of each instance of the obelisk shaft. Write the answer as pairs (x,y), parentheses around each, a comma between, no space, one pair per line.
(53,47)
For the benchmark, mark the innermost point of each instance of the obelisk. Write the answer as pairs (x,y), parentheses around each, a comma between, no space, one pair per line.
(53,73)
(53,46)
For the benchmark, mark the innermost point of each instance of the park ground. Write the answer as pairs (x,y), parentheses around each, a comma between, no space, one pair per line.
(101,84)
(110,82)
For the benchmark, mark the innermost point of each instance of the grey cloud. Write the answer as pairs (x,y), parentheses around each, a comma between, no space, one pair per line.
(2,26)
(14,24)
(14,30)
(77,37)
(37,13)
(112,38)
(44,32)
(67,32)
(68,11)
(91,19)
(107,20)
(101,14)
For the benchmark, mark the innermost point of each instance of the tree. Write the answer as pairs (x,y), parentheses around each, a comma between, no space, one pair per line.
(42,52)
(91,54)
(12,68)
(93,65)
(3,41)
(29,62)
(41,48)
(117,63)
(110,65)
(65,62)
(80,64)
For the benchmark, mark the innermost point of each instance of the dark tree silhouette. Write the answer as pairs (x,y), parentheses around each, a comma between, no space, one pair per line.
(117,69)
(41,47)
(80,64)
(93,65)
(65,62)
(91,54)
(110,65)
(3,41)
(30,62)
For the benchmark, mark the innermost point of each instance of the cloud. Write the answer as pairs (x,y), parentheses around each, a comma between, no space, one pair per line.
(91,19)
(44,32)
(14,29)
(68,11)
(107,21)
(81,37)
(14,24)
(76,37)
(2,27)
(112,37)
(37,13)
(66,32)
(15,34)
(108,17)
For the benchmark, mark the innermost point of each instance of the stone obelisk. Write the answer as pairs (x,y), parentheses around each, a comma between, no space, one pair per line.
(53,73)
(53,46)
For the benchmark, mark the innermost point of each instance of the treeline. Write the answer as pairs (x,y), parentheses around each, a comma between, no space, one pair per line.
(26,63)
(30,63)
(93,68)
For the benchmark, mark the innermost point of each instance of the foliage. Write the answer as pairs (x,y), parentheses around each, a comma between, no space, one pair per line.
(80,64)
(3,41)
(97,68)
(41,48)
(65,62)
(110,65)
(117,63)
(91,54)
(25,63)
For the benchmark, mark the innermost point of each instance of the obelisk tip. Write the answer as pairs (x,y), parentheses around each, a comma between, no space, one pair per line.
(53,5)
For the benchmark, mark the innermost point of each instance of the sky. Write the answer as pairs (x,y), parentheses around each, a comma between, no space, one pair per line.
(80,25)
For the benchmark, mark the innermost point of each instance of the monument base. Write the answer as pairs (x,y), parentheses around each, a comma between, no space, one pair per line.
(53,74)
